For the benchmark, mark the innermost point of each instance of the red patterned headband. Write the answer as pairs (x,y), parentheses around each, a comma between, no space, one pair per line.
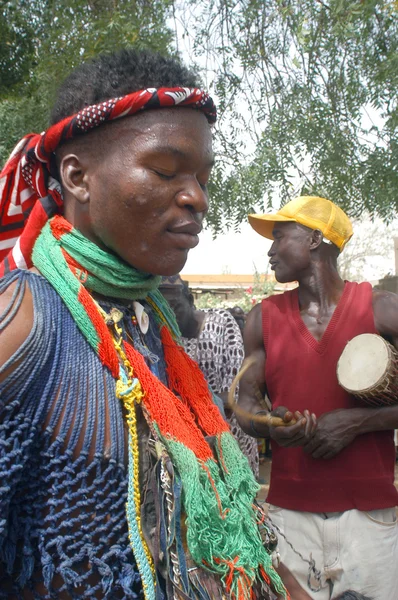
(26,178)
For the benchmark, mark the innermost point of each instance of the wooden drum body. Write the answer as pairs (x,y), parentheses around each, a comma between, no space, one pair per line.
(368,369)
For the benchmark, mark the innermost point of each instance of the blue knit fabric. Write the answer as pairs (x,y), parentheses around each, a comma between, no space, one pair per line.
(63,529)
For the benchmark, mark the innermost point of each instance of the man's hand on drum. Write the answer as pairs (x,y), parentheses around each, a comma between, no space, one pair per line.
(335,431)
(298,434)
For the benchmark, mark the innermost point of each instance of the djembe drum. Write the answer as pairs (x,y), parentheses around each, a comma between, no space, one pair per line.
(368,369)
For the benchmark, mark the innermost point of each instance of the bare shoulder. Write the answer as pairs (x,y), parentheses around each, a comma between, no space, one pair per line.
(16,319)
(385,310)
(253,332)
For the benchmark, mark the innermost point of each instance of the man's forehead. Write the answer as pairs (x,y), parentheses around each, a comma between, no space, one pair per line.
(162,126)
(165,117)
(283,226)
(289,227)
(176,131)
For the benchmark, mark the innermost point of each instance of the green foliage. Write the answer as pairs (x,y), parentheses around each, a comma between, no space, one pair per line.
(307,90)
(308,102)
(41,41)
(16,48)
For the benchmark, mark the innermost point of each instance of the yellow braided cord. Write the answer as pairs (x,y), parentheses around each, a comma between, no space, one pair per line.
(130,392)
(129,404)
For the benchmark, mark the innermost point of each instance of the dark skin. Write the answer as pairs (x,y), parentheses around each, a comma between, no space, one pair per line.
(150,170)
(137,187)
(294,588)
(190,321)
(299,254)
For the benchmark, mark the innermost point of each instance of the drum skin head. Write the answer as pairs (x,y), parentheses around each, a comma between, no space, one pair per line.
(363,363)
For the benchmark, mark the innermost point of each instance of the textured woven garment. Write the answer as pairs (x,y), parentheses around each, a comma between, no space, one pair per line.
(29,191)
(63,470)
(219,352)
(223,522)
(63,531)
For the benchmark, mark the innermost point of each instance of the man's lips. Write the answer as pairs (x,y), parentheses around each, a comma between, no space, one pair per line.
(190,227)
(273,263)
(185,235)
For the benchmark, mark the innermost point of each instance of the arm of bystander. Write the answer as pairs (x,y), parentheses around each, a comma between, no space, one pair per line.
(253,388)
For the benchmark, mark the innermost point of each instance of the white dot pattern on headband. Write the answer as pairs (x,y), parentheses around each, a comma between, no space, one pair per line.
(92,116)
(27,173)
(202,101)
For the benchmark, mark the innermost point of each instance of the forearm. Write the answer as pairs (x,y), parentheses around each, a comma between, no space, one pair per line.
(374,419)
(252,406)
(252,385)
(291,583)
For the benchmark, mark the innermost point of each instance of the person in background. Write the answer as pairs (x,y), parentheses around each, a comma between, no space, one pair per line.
(332,479)
(239,315)
(213,339)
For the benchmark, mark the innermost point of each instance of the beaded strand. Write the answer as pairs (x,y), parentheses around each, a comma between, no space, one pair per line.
(129,390)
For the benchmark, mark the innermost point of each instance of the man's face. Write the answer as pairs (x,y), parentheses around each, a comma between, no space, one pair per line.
(147,188)
(290,251)
(181,305)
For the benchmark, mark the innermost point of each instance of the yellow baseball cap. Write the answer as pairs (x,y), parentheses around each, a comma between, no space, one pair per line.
(313,212)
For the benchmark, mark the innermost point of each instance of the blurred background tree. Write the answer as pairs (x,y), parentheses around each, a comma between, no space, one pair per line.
(308,101)
(42,40)
(307,91)
(369,255)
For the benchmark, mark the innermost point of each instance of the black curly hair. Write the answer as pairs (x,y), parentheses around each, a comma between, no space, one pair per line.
(112,75)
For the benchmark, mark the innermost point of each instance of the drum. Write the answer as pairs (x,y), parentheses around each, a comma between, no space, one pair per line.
(368,369)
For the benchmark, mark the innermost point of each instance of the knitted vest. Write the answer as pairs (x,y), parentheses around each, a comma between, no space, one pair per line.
(301,374)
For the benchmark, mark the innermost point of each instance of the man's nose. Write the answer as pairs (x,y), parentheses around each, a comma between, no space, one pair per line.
(271,251)
(194,196)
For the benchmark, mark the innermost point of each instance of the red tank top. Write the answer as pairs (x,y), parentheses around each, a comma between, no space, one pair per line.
(300,373)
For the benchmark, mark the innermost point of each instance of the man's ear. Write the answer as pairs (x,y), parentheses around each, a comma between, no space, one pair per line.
(73,177)
(316,239)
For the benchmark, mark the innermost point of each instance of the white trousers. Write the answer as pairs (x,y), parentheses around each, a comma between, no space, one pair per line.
(353,550)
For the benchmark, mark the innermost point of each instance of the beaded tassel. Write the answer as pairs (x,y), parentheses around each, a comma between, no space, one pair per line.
(128,389)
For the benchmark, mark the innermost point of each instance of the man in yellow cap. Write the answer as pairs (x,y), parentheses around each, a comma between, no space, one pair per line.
(332,482)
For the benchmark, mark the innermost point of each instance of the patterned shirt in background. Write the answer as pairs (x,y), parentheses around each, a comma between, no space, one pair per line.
(219,353)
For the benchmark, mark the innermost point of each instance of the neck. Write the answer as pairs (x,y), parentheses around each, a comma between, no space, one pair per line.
(98,270)
(322,286)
